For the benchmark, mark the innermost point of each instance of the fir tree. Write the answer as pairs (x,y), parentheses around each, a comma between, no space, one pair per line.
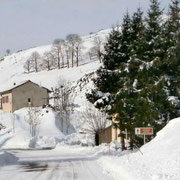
(126,39)
(117,53)
(107,75)
(111,57)
(138,29)
(153,45)
(119,45)
(172,28)
(138,82)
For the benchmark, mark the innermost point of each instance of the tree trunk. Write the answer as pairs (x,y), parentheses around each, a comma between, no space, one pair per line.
(97,139)
(99,56)
(131,142)
(67,60)
(62,121)
(59,62)
(48,66)
(67,123)
(62,62)
(122,142)
(36,68)
(122,135)
(72,58)
(77,56)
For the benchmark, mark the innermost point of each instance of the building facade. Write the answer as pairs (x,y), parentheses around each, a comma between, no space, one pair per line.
(109,135)
(23,95)
(112,133)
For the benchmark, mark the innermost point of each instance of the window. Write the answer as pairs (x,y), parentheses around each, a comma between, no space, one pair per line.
(5,99)
(29,100)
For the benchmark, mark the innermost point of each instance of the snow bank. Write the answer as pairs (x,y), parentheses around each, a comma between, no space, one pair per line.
(7,158)
(108,149)
(17,132)
(160,159)
(77,139)
(42,142)
(162,154)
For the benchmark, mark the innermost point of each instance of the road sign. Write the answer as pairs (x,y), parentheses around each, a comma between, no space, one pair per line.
(144,131)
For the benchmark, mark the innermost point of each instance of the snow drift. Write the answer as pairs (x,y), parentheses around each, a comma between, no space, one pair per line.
(17,131)
(7,158)
(160,159)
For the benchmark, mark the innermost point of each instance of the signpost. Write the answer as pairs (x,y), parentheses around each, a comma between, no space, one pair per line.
(144,131)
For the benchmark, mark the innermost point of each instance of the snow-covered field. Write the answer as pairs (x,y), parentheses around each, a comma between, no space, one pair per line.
(12,67)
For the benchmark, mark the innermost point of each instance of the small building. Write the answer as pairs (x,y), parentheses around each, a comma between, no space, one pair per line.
(22,95)
(112,133)
(109,135)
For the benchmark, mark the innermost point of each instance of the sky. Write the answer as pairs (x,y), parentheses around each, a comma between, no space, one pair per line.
(30,23)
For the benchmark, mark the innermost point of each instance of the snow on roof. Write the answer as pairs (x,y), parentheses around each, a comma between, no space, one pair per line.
(15,85)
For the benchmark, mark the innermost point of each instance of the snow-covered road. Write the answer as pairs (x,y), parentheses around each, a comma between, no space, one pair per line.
(54,165)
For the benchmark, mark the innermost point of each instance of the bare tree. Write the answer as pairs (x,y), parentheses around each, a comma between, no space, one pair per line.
(93,54)
(94,121)
(98,44)
(48,60)
(67,54)
(74,42)
(77,49)
(8,52)
(58,49)
(28,66)
(35,57)
(63,102)
(33,119)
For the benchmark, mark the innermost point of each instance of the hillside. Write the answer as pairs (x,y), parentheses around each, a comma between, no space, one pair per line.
(12,71)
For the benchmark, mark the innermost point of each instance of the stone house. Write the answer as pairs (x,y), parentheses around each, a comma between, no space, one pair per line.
(109,135)
(112,134)
(23,95)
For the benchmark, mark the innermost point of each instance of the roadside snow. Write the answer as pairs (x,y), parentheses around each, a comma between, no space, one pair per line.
(7,158)
(160,159)
(17,131)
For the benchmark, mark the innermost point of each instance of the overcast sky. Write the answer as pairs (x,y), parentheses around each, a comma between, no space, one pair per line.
(29,23)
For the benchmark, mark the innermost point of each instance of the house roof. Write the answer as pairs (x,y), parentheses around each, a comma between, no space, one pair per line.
(15,85)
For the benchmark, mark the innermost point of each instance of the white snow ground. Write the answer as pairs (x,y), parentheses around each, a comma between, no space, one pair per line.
(160,161)
(63,163)
(17,132)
